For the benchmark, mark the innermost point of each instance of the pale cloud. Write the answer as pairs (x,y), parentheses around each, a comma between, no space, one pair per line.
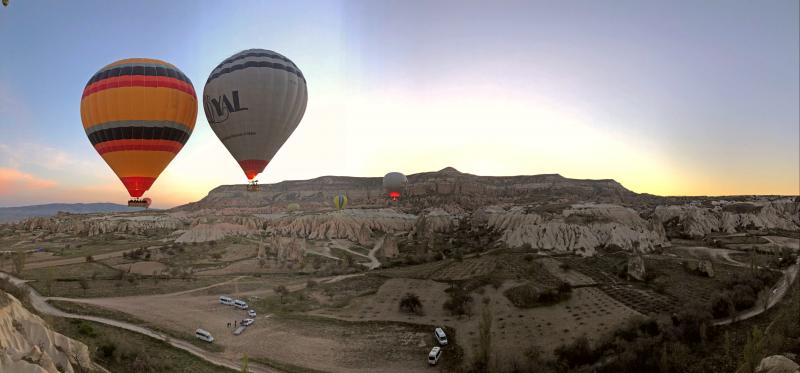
(13,181)
(40,155)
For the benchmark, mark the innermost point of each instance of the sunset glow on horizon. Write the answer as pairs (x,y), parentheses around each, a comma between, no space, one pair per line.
(680,98)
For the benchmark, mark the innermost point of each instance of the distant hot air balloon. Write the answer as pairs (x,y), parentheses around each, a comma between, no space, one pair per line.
(340,201)
(138,114)
(394,183)
(253,101)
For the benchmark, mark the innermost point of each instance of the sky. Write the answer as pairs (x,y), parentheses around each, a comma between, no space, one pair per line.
(666,97)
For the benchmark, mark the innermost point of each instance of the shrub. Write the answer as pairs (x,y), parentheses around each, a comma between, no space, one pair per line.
(410,303)
(575,354)
(459,301)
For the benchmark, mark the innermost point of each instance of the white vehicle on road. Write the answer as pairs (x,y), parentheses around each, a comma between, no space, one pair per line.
(434,355)
(438,333)
(204,335)
(240,304)
(251,313)
(226,300)
(247,322)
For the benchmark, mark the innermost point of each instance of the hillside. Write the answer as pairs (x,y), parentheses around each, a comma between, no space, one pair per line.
(447,188)
(11,214)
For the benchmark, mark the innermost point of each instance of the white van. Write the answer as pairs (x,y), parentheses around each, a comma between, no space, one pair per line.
(204,335)
(435,355)
(226,300)
(440,337)
(240,304)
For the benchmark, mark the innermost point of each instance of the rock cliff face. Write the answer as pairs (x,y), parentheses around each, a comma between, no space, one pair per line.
(580,228)
(28,345)
(698,221)
(448,189)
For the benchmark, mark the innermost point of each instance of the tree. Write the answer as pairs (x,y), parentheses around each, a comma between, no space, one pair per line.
(244,364)
(19,261)
(410,303)
(5,2)
(753,351)
(282,291)
(484,340)
(84,284)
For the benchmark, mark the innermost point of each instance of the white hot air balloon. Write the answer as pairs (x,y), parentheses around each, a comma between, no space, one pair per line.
(394,183)
(253,101)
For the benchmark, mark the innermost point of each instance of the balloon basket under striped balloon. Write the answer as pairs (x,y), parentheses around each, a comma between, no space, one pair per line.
(252,186)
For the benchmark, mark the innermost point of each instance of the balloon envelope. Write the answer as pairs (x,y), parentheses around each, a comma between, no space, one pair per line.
(394,183)
(253,101)
(340,201)
(138,113)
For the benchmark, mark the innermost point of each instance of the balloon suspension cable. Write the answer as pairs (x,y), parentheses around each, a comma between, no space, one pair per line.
(252,186)
(139,202)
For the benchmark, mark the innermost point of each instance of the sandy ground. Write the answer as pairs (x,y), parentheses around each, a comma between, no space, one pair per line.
(142,268)
(588,312)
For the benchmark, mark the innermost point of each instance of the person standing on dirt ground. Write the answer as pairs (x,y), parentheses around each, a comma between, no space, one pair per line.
(234,323)
(229,324)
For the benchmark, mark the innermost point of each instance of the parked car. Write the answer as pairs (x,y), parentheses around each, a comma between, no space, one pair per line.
(251,313)
(435,355)
(226,300)
(204,335)
(247,322)
(440,337)
(240,304)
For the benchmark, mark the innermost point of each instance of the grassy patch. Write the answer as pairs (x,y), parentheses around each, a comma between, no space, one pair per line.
(131,285)
(122,351)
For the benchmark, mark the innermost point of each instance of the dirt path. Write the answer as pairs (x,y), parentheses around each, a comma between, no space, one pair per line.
(41,305)
(714,253)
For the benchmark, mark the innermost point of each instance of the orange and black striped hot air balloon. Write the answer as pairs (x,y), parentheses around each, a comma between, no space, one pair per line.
(138,114)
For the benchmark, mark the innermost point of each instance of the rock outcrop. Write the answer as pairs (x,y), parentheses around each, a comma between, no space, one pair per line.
(580,229)
(287,249)
(432,221)
(28,345)
(697,221)
(204,232)
(353,225)
(777,364)
(388,247)
(95,225)
(636,268)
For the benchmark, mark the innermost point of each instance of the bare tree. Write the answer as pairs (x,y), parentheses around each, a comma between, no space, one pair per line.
(282,291)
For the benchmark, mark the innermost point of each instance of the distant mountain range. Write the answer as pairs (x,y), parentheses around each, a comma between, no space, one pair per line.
(11,214)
